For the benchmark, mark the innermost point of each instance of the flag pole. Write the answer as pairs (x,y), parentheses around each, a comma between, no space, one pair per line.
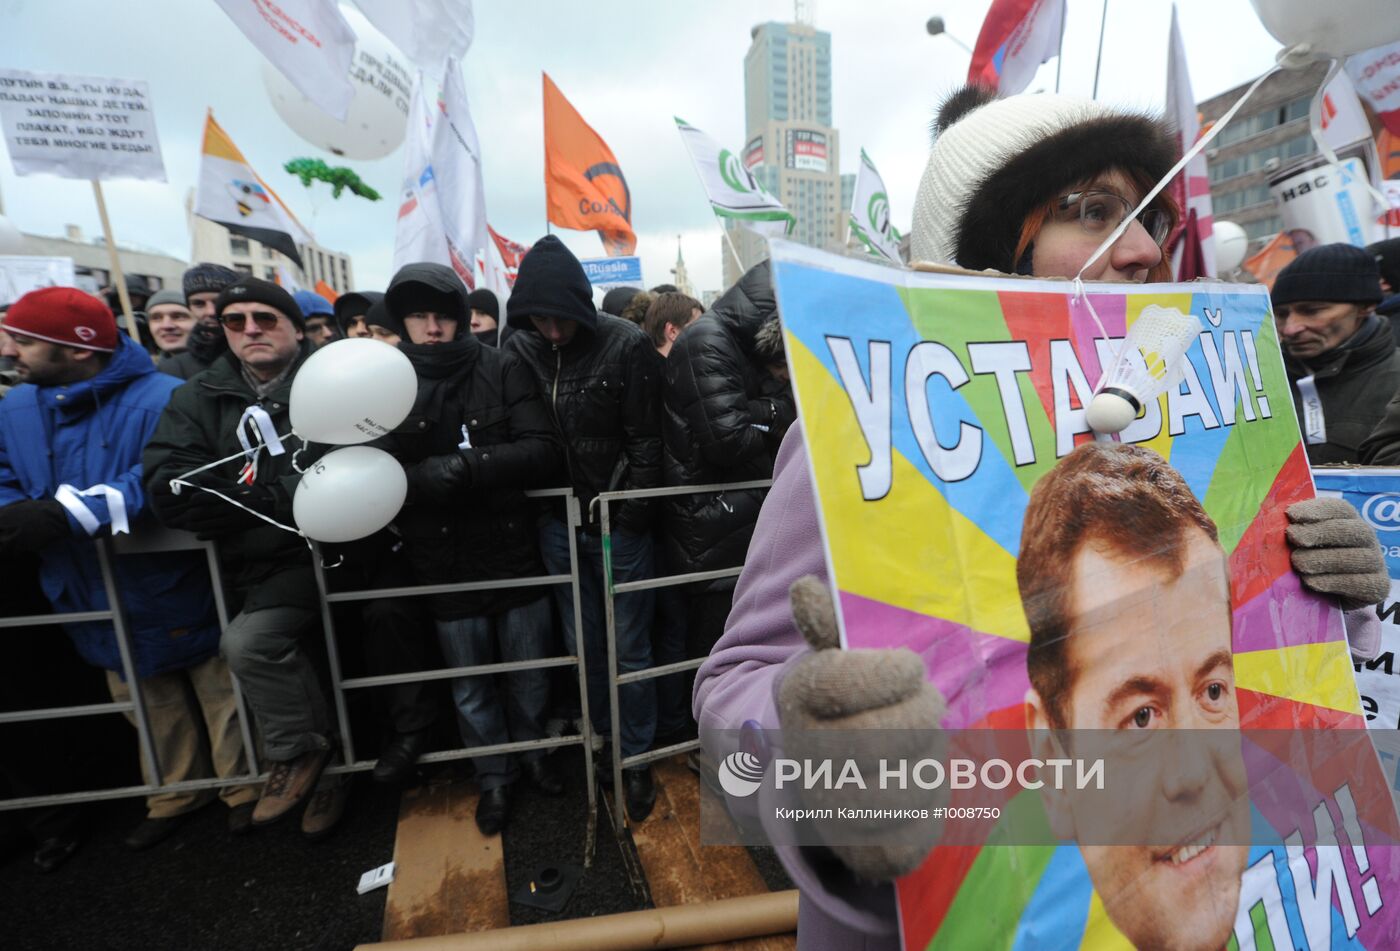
(1098,61)
(1060,49)
(118,278)
(738,261)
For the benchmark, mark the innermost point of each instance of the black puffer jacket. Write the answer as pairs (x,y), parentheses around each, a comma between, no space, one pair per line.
(205,344)
(603,387)
(725,416)
(469,393)
(267,566)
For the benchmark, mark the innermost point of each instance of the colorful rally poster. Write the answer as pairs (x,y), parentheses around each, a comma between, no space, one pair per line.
(970,514)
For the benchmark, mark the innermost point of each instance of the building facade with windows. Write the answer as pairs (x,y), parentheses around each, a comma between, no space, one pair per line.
(1269,134)
(92,264)
(791,147)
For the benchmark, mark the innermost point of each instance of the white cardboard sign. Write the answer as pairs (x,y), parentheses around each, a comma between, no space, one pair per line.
(79,126)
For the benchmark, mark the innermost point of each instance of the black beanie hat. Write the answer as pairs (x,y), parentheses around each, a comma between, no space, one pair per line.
(550,283)
(484,300)
(1341,273)
(353,304)
(378,315)
(204,278)
(1387,255)
(251,289)
(616,300)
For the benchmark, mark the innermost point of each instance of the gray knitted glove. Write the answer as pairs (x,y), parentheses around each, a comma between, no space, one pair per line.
(832,690)
(1335,552)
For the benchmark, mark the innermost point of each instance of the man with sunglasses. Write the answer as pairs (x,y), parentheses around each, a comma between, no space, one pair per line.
(246,392)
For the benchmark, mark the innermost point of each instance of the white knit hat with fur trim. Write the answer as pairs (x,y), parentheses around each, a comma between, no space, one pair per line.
(995,160)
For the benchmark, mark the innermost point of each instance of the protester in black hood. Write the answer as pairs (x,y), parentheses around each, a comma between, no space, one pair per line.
(381,325)
(601,377)
(478,436)
(350,309)
(485,310)
(202,285)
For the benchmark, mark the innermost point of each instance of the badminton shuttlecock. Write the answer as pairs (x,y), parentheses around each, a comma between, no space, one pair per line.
(1151,359)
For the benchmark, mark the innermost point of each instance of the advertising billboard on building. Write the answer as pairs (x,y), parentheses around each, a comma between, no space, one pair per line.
(753,152)
(806,150)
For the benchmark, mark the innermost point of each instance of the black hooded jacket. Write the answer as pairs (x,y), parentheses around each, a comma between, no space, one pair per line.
(481,404)
(603,387)
(725,416)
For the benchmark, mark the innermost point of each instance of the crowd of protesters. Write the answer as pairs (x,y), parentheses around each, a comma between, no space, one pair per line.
(542,390)
(651,390)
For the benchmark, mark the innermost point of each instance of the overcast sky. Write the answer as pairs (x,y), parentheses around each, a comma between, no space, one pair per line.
(627,65)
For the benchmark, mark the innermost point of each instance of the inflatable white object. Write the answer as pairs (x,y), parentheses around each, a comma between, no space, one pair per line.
(378,114)
(352,391)
(348,494)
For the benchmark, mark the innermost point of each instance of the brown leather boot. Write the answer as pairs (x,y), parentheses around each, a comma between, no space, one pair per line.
(288,785)
(324,810)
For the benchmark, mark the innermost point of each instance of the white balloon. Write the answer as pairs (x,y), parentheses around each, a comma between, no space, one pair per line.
(1330,27)
(348,494)
(1230,245)
(378,114)
(352,391)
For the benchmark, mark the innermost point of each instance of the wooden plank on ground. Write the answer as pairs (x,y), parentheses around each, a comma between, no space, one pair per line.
(448,877)
(679,870)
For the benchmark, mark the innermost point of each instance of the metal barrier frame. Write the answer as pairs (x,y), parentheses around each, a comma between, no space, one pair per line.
(610,591)
(156,539)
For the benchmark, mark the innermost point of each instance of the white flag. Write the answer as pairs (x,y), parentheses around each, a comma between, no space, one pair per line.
(732,189)
(429,32)
(1181,107)
(232,194)
(870,212)
(442,214)
(1017,36)
(418,232)
(308,40)
(1343,118)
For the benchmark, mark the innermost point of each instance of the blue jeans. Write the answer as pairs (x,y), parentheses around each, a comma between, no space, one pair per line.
(632,560)
(484,718)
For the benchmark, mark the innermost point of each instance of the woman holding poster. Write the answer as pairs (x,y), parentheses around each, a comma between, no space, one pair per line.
(1027,185)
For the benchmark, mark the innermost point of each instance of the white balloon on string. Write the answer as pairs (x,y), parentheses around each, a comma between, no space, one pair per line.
(349,493)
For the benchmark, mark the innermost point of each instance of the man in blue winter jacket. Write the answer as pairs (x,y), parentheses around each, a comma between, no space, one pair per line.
(71,437)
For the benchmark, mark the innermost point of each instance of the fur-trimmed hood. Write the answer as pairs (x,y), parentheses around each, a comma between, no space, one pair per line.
(996,160)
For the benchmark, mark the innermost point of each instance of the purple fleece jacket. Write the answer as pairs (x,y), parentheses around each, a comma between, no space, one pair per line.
(739,683)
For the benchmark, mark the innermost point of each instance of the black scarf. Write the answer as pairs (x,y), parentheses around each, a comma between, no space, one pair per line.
(441,368)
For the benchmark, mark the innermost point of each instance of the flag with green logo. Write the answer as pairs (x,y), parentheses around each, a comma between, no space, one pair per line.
(732,189)
(870,213)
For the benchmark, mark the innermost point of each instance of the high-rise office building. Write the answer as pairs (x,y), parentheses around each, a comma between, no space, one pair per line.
(791,147)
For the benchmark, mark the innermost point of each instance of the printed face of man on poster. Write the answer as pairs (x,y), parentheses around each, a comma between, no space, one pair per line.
(1126,589)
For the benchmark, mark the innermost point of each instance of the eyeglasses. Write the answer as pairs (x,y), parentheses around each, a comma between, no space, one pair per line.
(1100,213)
(265,319)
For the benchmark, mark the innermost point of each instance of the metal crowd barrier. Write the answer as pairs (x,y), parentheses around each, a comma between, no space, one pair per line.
(151,538)
(610,591)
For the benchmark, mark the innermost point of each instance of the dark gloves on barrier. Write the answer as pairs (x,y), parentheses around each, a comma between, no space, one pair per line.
(1335,552)
(882,689)
(32,524)
(436,479)
(209,516)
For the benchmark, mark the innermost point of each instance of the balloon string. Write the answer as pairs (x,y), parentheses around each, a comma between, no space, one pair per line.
(1315,127)
(180,479)
(1191,153)
(271,521)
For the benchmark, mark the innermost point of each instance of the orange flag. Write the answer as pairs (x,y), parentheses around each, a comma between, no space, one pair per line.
(583,184)
(326,291)
(1272,258)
